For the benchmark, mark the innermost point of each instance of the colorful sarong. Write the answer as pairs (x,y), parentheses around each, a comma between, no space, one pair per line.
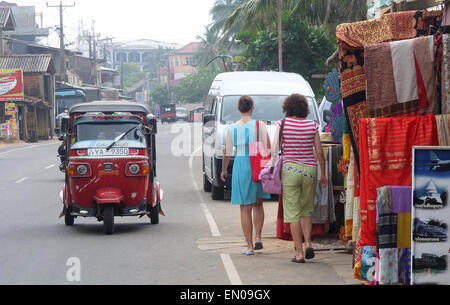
(352,38)
(386,159)
(443,129)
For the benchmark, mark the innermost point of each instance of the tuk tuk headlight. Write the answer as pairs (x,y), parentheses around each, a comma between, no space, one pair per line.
(82,170)
(134,169)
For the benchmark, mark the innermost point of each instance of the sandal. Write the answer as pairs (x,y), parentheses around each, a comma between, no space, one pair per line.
(258,245)
(309,253)
(300,261)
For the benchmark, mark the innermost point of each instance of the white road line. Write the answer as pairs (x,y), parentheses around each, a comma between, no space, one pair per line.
(212,223)
(232,273)
(191,158)
(230,269)
(21,180)
(49,167)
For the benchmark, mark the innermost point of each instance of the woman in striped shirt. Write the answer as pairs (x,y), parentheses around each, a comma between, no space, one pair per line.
(299,138)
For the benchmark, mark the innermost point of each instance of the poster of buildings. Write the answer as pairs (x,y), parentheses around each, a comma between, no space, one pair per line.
(431,216)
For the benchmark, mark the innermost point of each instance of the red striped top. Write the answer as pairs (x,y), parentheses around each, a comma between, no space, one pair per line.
(298,141)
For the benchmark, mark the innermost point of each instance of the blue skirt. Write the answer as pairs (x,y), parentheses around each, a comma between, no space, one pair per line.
(243,190)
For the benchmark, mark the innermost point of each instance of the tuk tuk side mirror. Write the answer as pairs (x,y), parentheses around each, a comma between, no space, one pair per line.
(65,125)
(208,118)
(152,124)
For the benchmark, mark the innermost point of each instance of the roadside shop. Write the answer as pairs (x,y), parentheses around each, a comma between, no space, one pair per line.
(395,87)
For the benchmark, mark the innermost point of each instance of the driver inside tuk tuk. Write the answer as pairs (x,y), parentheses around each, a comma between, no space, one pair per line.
(107,133)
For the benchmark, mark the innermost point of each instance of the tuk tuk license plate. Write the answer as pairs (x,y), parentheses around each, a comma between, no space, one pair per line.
(111,152)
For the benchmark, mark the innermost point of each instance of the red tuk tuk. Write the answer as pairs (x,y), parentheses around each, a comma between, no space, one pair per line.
(111,163)
(168,113)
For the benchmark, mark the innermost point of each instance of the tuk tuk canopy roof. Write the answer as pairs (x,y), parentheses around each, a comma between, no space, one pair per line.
(110,106)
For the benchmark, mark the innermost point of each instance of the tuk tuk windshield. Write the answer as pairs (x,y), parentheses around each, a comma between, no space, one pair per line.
(102,134)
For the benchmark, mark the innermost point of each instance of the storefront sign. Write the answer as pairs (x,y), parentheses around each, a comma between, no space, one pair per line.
(10,116)
(11,85)
(431,216)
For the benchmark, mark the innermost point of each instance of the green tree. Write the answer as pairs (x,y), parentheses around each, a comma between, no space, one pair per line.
(305,49)
(132,74)
(159,95)
(255,15)
(194,88)
(220,12)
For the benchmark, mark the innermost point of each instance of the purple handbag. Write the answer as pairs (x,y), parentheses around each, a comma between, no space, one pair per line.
(271,175)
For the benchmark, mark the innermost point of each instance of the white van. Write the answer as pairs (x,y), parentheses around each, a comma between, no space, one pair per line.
(268,90)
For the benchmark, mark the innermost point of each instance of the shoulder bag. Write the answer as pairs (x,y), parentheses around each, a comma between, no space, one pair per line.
(259,156)
(271,175)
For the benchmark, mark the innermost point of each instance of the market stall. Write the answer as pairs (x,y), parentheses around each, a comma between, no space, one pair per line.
(394,84)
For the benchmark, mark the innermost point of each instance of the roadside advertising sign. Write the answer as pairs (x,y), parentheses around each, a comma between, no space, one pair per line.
(11,85)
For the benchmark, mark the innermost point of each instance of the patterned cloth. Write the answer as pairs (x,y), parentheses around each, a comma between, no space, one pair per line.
(387,231)
(388,266)
(368,261)
(443,128)
(352,38)
(404,266)
(386,159)
(349,198)
(384,201)
(399,72)
(446,74)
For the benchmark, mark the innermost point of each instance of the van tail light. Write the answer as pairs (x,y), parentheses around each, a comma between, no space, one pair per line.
(137,169)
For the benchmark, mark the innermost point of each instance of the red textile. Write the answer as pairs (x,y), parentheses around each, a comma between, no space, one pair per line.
(386,159)
(284,229)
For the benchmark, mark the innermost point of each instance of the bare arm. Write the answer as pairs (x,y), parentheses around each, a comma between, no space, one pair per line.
(226,157)
(264,136)
(320,159)
(274,147)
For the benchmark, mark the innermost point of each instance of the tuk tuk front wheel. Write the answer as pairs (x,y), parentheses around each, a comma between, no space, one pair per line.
(154,214)
(108,219)
(69,220)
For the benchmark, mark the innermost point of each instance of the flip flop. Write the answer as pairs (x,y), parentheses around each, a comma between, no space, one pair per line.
(248,252)
(258,245)
(299,261)
(309,253)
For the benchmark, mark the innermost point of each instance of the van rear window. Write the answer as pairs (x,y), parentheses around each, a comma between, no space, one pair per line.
(267,109)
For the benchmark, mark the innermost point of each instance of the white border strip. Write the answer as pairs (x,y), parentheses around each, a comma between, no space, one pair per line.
(230,269)
(232,273)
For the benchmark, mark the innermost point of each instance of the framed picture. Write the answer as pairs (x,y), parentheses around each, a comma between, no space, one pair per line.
(430,216)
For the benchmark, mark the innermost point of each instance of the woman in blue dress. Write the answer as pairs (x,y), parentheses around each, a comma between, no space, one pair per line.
(244,192)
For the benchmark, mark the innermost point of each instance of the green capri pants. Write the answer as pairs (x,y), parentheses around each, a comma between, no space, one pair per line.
(299,189)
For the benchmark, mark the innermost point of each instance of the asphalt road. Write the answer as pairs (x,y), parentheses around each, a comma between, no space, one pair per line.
(198,242)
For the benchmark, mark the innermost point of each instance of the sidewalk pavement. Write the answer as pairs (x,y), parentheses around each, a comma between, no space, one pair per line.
(332,264)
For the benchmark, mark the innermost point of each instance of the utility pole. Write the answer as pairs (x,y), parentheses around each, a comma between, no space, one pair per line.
(61,38)
(280,38)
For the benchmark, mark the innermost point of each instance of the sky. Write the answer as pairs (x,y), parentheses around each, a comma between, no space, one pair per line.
(174,21)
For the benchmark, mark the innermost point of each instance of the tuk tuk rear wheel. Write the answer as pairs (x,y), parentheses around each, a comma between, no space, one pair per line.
(69,220)
(108,219)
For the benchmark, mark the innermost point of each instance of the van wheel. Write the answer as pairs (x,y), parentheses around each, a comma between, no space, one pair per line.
(69,220)
(108,219)
(206,184)
(217,193)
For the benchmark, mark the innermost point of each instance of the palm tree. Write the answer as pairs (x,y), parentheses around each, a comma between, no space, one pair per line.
(210,46)
(220,12)
(257,14)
